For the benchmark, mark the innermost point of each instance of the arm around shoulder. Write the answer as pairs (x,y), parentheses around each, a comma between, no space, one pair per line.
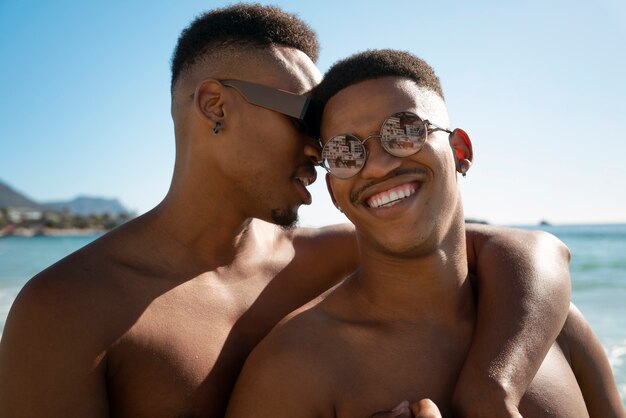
(523,297)
(326,255)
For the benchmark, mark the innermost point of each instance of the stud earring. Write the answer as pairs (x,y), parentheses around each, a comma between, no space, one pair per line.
(218,128)
(463,169)
(338,207)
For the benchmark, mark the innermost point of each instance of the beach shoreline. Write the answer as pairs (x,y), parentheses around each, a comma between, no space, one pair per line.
(24,232)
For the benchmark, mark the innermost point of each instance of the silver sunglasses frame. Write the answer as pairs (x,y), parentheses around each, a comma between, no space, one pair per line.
(427,125)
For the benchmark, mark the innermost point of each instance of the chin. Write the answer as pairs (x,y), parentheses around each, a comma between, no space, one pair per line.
(285,218)
(406,241)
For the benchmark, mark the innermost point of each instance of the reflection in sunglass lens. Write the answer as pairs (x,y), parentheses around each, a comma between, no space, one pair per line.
(403,134)
(344,156)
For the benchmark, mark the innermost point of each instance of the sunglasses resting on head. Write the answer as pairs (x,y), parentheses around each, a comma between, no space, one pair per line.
(401,135)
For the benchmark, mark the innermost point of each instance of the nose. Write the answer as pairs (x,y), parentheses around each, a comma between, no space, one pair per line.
(379,162)
(312,149)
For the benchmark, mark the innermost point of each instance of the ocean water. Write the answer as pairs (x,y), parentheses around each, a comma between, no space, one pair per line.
(598,271)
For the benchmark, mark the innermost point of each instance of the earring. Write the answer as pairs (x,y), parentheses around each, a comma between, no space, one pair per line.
(463,169)
(218,128)
(464,165)
(338,207)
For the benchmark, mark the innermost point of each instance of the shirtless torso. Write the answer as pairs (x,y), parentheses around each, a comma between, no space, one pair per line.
(402,326)
(162,342)
(157,317)
(348,358)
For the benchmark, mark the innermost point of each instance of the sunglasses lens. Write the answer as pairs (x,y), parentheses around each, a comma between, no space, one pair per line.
(311,120)
(403,134)
(343,156)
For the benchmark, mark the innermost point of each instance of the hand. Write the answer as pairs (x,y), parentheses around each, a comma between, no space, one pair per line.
(422,409)
(425,409)
(401,411)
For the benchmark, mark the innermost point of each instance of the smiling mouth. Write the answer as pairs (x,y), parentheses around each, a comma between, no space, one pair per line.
(392,196)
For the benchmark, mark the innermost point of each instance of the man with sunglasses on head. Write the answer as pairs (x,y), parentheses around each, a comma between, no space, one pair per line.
(157,317)
(402,325)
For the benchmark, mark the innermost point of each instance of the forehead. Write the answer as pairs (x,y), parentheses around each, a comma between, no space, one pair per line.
(361,108)
(285,68)
(278,66)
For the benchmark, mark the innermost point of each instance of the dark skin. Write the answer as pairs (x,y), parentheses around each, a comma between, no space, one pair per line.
(157,317)
(402,325)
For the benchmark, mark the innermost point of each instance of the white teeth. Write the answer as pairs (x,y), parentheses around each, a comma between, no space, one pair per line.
(388,199)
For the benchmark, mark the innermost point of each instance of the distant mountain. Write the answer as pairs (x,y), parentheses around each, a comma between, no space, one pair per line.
(476,221)
(85,205)
(13,198)
(82,205)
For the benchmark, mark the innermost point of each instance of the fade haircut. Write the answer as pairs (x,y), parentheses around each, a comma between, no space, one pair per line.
(238,27)
(372,64)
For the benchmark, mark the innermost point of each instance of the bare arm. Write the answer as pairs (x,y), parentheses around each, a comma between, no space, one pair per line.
(325,256)
(591,367)
(48,367)
(523,299)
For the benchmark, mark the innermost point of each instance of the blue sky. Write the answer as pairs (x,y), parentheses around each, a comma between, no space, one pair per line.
(540,87)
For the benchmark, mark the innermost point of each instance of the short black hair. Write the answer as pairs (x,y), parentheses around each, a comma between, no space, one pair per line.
(245,25)
(372,64)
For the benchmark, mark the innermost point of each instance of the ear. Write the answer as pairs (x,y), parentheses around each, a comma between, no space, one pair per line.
(462,147)
(208,101)
(330,191)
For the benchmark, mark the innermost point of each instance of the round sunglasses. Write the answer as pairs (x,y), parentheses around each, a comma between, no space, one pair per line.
(401,135)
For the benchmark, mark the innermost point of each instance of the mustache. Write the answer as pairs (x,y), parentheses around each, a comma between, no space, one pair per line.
(356,195)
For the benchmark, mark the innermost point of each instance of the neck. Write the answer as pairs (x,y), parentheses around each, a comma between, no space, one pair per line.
(433,283)
(200,226)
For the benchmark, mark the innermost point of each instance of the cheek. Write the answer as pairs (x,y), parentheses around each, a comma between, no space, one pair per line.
(276,146)
(282,141)
(443,156)
(339,189)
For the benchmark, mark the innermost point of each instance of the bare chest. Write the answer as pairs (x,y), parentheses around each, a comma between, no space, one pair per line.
(380,374)
(182,356)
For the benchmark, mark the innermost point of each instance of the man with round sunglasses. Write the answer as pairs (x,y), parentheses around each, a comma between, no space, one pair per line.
(157,317)
(400,328)
(401,135)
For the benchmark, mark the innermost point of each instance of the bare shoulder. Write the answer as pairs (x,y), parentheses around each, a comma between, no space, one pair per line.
(53,348)
(514,238)
(309,240)
(72,295)
(326,239)
(331,234)
(330,251)
(89,290)
(271,383)
(65,286)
